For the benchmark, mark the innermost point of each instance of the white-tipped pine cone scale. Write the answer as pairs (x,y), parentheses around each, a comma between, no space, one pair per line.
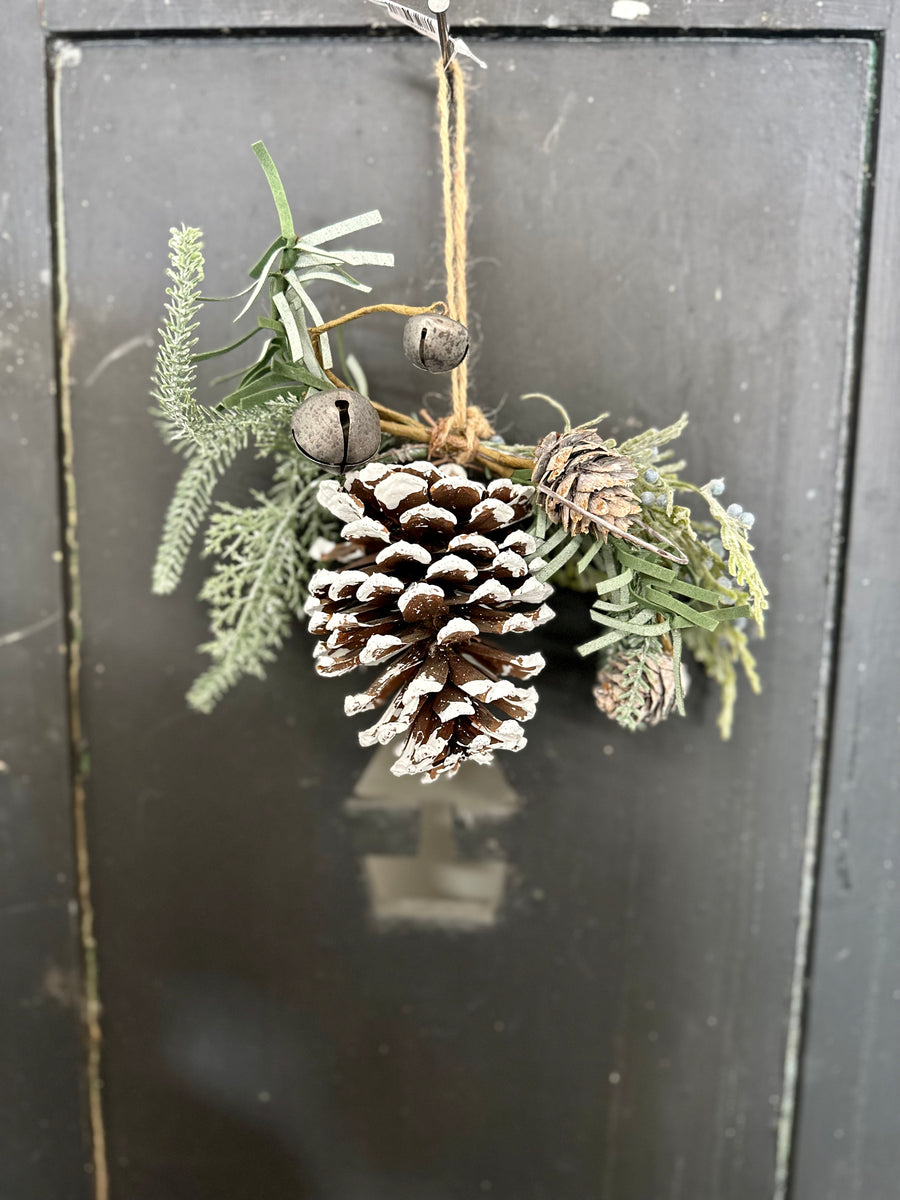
(431,563)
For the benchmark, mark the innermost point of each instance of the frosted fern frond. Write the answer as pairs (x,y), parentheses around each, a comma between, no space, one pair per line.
(259,581)
(180,416)
(217,439)
(209,459)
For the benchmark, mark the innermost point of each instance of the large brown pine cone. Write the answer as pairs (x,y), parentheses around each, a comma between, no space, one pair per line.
(430,561)
(578,467)
(637,690)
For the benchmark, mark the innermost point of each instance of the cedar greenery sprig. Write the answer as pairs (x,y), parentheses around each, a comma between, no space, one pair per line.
(258,584)
(632,698)
(701,603)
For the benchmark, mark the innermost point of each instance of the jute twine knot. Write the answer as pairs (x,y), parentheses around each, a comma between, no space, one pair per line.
(460,441)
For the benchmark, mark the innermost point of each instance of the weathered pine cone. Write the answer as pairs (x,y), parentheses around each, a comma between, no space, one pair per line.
(636,693)
(430,561)
(576,466)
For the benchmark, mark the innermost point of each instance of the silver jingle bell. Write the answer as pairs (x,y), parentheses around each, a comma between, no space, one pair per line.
(435,343)
(338,429)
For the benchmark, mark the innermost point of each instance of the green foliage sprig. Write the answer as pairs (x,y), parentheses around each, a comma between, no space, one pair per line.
(262,553)
(210,439)
(290,360)
(702,603)
(175,373)
(263,560)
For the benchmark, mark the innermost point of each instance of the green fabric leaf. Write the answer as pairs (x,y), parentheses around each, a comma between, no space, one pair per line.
(259,391)
(615,583)
(330,233)
(276,187)
(558,536)
(258,286)
(289,323)
(207,354)
(640,626)
(594,548)
(569,550)
(599,643)
(262,266)
(224,299)
(676,660)
(666,603)
(332,277)
(305,299)
(645,566)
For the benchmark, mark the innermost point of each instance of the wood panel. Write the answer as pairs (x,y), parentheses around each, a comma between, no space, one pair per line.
(621,1031)
(96,16)
(848,1141)
(41,1150)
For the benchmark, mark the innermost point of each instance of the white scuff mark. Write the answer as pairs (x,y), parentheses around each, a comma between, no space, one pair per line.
(67,55)
(114,356)
(19,635)
(553,133)
(629,10)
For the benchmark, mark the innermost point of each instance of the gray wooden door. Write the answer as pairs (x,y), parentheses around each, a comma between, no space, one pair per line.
(662,967)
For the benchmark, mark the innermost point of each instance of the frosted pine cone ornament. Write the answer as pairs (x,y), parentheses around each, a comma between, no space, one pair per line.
(429,563)
(579,477)
(636,688)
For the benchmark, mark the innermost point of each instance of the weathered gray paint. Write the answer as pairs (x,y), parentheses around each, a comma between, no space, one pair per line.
(848,1143)
(699,269)
(262,1038)
(543,15)
(41,1152)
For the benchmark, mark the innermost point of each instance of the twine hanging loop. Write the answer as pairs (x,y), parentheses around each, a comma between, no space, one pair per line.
(455,194)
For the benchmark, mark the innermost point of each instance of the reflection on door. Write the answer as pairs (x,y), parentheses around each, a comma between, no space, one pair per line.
(434,885)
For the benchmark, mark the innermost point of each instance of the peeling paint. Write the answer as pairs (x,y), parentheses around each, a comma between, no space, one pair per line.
(629,10)
(66,54)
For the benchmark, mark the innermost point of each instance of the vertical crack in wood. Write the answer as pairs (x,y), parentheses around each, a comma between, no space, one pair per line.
(825,708)
(59,55)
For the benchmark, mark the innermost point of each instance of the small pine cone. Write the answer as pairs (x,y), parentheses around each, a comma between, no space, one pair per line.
(430,560)
(637,689)
(577,466)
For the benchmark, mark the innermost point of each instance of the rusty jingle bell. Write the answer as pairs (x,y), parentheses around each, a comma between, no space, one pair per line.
(338,429)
